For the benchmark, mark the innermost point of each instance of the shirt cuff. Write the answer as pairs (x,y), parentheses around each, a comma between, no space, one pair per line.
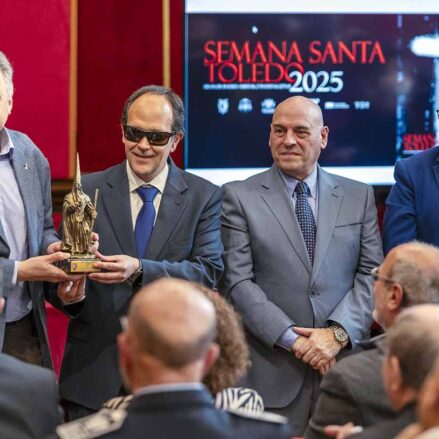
(287,339)
(15,275)
(72,303)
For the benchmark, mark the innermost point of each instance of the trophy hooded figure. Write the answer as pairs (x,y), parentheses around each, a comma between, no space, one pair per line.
(78,219)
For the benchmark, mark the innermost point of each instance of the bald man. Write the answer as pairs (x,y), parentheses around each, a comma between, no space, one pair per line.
(353,390)
(165,349)
(299,246)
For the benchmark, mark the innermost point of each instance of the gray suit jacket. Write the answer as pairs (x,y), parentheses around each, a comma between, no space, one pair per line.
(269,277)
(185,243)
(33,177)
(352,391)
(28,400)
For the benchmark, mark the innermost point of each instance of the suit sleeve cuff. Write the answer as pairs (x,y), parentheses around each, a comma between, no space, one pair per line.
(287,339)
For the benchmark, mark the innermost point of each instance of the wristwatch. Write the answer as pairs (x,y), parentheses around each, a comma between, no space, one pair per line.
(340,334)
(136,275)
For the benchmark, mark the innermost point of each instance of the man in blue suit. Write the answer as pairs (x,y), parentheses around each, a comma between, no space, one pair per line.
(28,242)
(156,221)
(412,205)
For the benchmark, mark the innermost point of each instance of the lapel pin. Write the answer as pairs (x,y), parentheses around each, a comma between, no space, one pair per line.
(26,167)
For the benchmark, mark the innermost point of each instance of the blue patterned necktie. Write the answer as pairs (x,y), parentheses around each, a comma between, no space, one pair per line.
(145,219)
(306,218)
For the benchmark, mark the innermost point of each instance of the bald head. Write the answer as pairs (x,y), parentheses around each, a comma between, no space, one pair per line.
(302,104)
(415,266)
(413,340)
(172,321)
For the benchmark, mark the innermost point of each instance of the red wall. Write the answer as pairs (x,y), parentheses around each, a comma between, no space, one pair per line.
(35,36)
(119,50)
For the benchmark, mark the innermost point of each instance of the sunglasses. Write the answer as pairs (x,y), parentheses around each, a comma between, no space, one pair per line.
(155,138)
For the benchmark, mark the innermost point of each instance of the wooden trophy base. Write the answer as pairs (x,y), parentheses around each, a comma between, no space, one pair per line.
(79,265)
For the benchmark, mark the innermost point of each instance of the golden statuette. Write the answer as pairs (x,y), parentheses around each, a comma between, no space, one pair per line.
(78,217)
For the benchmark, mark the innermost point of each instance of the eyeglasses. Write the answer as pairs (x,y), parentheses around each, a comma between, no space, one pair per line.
(376,276)
(155,138)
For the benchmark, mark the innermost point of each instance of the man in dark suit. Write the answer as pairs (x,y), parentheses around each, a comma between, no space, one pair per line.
(29,245)
(353,390)
(411,207)
(412,351)
(158,221)
(166,348)
(299,245)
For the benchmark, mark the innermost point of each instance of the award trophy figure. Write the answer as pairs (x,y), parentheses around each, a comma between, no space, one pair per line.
(78,216)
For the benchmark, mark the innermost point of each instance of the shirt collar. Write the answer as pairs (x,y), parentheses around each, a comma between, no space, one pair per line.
(291,182)
(6,144)
(174,387)
(158,182)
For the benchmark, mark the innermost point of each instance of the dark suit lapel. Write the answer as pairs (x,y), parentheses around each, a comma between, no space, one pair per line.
(329,202)
(26,181)
(171,209)
(276,196)
(116,199)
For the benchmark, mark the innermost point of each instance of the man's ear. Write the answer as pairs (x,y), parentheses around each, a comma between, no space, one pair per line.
(10,104)
(395,374)
(210,358)
(175,141)
(123,135)
(324,133)
(396,297)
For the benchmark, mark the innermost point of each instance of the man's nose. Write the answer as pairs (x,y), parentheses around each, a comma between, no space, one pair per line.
(144,144)
(290,138)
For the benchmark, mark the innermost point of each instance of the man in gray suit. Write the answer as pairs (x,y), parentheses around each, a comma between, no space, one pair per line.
(299,245)
(154,220)
(353,390)
(26,232)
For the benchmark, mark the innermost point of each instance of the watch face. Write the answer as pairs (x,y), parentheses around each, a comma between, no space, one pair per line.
(340,334)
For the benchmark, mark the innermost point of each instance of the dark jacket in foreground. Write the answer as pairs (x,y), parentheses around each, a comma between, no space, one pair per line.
(28,400)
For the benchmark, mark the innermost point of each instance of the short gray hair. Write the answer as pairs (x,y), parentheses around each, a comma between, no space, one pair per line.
(414,342)
(420,281)
(8,73)
(173,99)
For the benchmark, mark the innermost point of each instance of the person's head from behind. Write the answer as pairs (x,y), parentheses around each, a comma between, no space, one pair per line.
(6,89)
(412,349)
(169,337)
(297,136)
(234,357)
(428,401)
(152,126)
(409,275)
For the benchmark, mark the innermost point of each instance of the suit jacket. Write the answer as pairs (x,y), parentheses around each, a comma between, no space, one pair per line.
(33,178)
(28,400)
(352,391)
(411,207)
(185,243)
(269,277)
(191,414)
(389,428)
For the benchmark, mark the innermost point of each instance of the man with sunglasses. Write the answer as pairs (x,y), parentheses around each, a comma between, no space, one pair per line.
(154,220)
(353,391)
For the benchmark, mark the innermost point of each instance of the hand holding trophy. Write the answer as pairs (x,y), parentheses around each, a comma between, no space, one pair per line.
(78,217)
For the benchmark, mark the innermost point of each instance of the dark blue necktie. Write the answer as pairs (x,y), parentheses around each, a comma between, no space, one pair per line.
(306,218)
(145,219)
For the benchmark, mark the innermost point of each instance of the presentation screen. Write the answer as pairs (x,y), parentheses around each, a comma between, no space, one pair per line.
(372,66)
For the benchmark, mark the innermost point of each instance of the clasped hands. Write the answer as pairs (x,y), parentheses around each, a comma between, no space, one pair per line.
(316,347)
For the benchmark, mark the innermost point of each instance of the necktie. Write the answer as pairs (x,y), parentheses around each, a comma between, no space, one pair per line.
(145,219)
(306,218)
